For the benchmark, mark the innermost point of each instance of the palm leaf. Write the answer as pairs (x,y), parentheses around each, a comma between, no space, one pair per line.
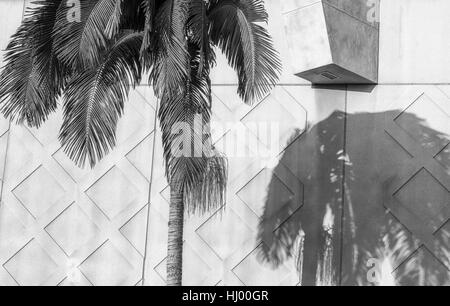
(198,24)
(81,44)
(202,173)
(32,77)
(150,9)
(170,67)
(94,101)
(133,15)
(209,192)
(113,26)
(236,29)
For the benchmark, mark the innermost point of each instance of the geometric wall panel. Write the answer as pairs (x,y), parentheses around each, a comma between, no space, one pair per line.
(232,225)
(434,118)
(30,266)
(409,274)
(373,162)
(442,157)
(39,192)
(113,193)
(11,229)
(250,271)
(72,229)
(262,185)
(107,267)
(138,155)
(258,185)
(263,120)
(396,141)
(132,230)
(256,203)
(426,198)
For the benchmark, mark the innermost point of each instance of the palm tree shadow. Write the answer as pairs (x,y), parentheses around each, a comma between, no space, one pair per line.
(332,240)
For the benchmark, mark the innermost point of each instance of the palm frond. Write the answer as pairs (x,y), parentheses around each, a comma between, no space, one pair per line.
(209,194)
(113,25)
(170,67)
(198,24)
(150,10)
(133,15)
(81,44)
(202,172)
(236,29)
(94,101)
(32,77)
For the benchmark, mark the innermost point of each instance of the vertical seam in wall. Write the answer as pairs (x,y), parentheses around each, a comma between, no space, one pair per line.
(150,192)
(343,190)
(4,162)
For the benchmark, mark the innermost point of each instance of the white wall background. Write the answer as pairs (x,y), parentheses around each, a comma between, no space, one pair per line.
(63,225)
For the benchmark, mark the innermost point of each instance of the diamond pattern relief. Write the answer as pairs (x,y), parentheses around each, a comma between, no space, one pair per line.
(39,192)
(48,133)
(134,230)
(76,173)
(240,154)
(444,158)
(426,198)
(22,157)
(275,119)
(165,194)
(65,212)
(107,267)
(225,232)
(72,229)
(197,267)
(10,228)
(413,272)
(254,273)
(270,111)
(141,156)
(433,116)
(442,251)
(75,278)
(230,235)
(113,193)
(254,194)
(131,122)
(31,266)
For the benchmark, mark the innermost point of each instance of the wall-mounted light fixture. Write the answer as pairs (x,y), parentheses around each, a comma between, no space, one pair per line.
(333,41)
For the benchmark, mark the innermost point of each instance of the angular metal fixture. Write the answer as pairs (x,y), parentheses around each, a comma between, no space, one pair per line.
(333,41)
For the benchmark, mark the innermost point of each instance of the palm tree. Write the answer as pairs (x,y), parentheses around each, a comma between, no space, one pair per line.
(91,63)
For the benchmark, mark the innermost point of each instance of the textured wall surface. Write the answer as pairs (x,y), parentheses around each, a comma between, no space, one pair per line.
(358,173)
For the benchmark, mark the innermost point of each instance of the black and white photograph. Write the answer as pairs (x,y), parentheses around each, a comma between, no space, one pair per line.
(224,149)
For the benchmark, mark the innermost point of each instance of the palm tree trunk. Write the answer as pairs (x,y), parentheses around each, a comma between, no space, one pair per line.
(175,241)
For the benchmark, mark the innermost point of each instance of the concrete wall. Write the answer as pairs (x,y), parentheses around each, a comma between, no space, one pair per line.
(360,173)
